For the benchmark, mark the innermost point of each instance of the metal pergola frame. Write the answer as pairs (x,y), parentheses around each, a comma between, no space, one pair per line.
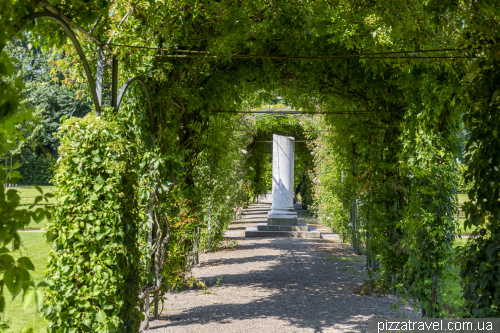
(95,86)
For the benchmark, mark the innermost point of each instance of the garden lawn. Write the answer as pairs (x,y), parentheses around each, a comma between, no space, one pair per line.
(34,247)
(28,195)
(461,216)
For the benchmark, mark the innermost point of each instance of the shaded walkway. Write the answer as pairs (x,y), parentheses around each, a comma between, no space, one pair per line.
(275,285)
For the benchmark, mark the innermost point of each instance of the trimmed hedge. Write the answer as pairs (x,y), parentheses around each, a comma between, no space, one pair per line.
(38,170)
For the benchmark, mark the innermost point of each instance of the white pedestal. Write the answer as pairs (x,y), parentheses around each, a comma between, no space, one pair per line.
(282,210)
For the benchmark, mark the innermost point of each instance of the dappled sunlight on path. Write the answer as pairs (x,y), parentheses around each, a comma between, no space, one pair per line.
(275,285)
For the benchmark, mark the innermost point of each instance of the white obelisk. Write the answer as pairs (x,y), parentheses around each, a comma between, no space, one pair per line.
(282,210)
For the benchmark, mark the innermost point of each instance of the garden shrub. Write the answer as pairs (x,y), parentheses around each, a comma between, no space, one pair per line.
(93,276)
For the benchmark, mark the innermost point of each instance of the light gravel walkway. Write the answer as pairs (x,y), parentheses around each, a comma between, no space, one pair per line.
(275,285)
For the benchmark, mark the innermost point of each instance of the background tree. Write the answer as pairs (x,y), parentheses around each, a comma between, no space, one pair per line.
(48,93)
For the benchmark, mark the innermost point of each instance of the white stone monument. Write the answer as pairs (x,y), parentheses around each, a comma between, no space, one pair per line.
(282,218)
(282,210)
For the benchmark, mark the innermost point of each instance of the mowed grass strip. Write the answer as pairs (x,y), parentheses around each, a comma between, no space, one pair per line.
(462,198)
(34,247)
(28,195)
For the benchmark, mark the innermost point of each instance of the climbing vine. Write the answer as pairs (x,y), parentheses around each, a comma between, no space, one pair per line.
(481,264)
(380,178)
(93,271)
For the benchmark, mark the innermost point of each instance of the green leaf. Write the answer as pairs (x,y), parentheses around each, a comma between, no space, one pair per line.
(38,199)
(14,280)
(28,297)
(28,329)
(491,249)
(39,299)
(42,284)
(39,189)
(26,263)
(6,260)
(63,198)
(101,316)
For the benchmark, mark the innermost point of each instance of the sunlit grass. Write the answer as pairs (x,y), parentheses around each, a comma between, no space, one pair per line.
(28,195)
(462,198)
(35,248)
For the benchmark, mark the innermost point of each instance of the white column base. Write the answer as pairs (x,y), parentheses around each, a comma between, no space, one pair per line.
(282,217)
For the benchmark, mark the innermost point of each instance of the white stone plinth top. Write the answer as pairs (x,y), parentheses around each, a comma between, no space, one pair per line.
(283,175)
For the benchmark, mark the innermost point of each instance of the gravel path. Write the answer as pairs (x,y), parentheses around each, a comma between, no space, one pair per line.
(275,285)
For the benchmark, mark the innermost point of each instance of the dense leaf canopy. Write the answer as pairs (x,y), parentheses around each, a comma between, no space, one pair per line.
(415,71)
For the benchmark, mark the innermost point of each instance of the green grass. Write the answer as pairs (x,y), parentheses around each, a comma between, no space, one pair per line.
(28,195)
(34,247)
(462,198)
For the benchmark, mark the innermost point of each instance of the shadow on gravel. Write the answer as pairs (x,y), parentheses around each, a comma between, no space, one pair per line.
(310,288)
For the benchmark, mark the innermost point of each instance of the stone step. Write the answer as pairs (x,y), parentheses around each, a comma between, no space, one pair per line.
(310,233)
(267,227)
(282,221)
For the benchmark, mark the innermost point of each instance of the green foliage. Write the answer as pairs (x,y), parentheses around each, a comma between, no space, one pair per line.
(219,281)
(45,94)
(463,186)
(481,264)
(398,161)
(218,179)
(402,170)
(93,267)
(19,312)
(258,168)
(15,276)
(332,190)
(45,91)
(37,170)
(15,273)
(429,234)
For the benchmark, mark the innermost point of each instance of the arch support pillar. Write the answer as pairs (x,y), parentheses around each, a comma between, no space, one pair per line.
(123,90)
(62,23)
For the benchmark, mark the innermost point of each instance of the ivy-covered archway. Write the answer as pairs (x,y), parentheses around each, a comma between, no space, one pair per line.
(390,93)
